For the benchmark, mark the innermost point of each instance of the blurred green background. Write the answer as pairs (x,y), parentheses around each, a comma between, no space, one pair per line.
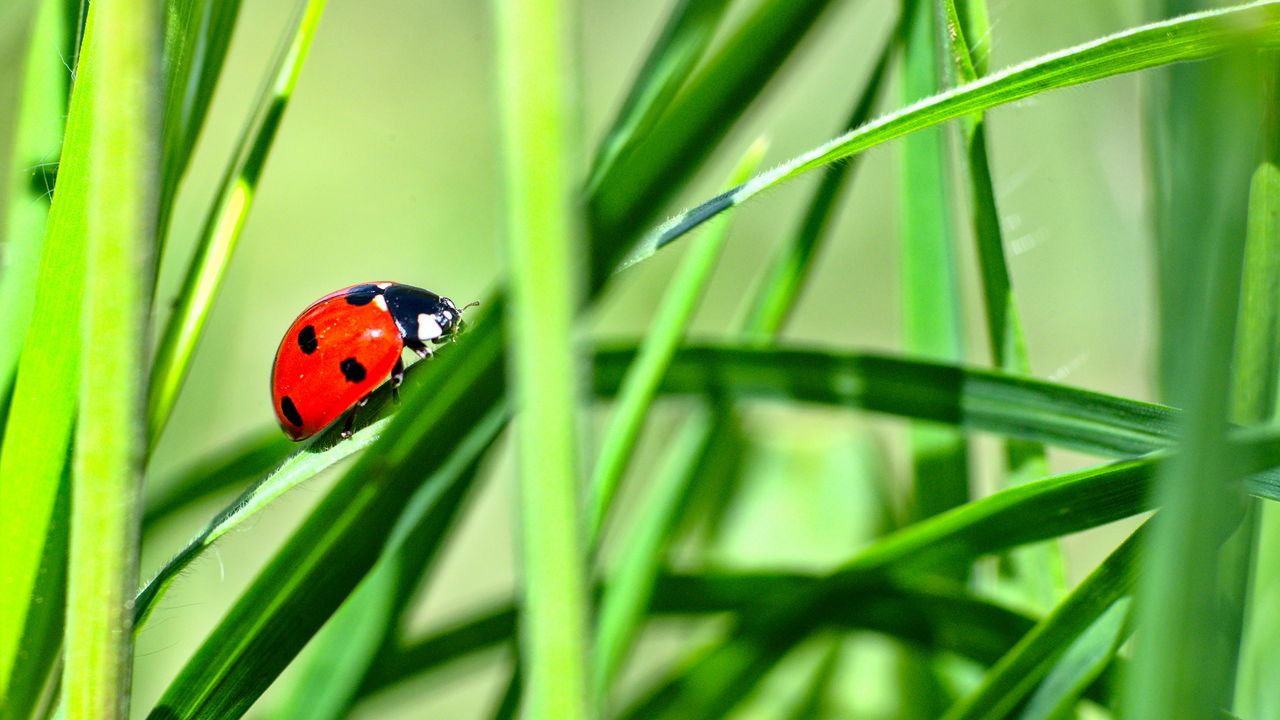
(385,168)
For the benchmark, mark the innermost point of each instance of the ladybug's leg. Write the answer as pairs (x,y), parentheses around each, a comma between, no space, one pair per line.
(397,377)
(350,420)
(419,347)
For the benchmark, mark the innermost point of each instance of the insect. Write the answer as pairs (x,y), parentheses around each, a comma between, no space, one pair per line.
(346,344)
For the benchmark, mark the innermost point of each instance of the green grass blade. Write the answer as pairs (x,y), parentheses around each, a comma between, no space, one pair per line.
(46,84)
(221,231)
(1192,37)
(975,399)
(1199,513)
(107,469)
(667,329)
(1257,358)
(541,258)
(810,704)
(35,448)
(1010,682)
(237,465)
(697,120)
(939,617)
(776,299)
(339,657)
(688,31)
(197,35)
(338,544)
(930,296)
(1081,665)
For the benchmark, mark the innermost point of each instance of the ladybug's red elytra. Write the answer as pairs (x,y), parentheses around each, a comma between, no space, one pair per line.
(342,347)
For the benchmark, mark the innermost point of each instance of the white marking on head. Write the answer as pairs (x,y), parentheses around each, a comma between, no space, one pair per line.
(384,285)
(381,302)
(428,328)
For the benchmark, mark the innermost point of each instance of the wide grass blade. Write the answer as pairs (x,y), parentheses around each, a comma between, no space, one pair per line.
(1199,511)
(37,439)
(667,329)
(42,109)
(1092,653)
(226,218)
(1009,682)
(688,31)
(542,262)
(116,80)
(1257,360)
(197,35)
(1192,37)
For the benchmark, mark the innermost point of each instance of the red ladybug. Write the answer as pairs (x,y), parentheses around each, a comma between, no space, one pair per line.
(346,344)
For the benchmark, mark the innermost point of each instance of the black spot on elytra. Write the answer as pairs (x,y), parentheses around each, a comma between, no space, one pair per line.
(353,370)
(307,339)
(290,411)
(363,294)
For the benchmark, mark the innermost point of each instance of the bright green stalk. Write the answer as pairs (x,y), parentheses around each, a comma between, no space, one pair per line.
(930,294)
(542,255)
(37,141)
(667,329)
(1254,401)
(107,473)
(226,220)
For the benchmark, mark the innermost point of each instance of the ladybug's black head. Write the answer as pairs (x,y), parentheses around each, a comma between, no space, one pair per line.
(421,315)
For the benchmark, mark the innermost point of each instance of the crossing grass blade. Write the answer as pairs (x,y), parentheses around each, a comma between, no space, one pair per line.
(667,329)
(543,257)
(1254,400)
(672,57)
(222,227)
(1093,652)
(1191,37)
(36,444)
(42,107)
(1205,258)
(1010,682)
(106,479)
(197,35)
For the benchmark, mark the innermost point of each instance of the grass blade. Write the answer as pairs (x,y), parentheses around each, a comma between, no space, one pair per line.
(684,40)
(1011,681)
(36,443)
(240,464)
(107,473)
(197,35)
(1192,37)
(541,259)
(1081,665)
(694,124)
(226,219)
(1199,513)
(37,142)
(667,328)
(1257,358)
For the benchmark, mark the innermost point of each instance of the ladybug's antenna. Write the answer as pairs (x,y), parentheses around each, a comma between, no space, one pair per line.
(473,303)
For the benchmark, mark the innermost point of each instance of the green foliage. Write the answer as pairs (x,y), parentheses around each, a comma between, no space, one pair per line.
(112,108)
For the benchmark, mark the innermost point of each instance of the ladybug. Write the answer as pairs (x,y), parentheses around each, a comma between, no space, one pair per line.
(342,347)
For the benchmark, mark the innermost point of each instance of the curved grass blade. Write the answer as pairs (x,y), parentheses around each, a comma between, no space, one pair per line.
(1011,681)
(940,617)
(106,480)
(240,464)
(226,219)
(672,57)
(36,444)
(1081,665)
(542,252)
(704,112)
(1027,513)
(197,35)
(46,84)
(674,313)
(1191,37)
(972,398)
